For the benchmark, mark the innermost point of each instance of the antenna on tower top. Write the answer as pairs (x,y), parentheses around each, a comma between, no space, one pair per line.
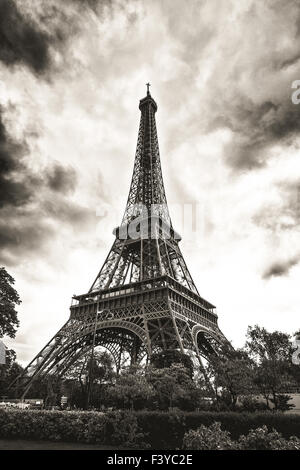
(148,85)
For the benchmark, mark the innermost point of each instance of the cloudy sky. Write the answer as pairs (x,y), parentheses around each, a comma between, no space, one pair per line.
(71,76)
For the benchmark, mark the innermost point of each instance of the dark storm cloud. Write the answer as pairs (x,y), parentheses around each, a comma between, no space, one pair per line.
(28,230)
(67,211)
(247,85)
(21,42)
(23,232)
(18,184)
(14,190)
(244,155)
(29,31)
(93,4)
(62,179)
(256,127)
(280,268)
(30,201)
(283,217)
(290,61)
(284,214)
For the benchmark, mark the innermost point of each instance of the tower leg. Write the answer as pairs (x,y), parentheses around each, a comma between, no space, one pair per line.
(135,351)
(120,356)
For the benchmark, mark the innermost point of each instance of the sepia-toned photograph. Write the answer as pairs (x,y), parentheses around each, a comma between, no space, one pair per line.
(150,228)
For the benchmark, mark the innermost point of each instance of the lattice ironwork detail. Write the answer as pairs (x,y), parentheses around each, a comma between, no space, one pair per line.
(143,299)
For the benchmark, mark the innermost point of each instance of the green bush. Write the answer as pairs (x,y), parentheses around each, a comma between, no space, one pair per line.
(208,438)
(262,439)
(159,430)
(123,429)
(166,430)
(214,438)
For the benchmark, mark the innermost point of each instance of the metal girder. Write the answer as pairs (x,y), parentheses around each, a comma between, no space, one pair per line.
(151,256)
(144,298)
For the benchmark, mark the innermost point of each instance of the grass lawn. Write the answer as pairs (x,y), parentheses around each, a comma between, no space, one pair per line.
(21,444)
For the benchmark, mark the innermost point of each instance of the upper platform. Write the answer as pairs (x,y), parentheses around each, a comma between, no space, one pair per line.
(148,100)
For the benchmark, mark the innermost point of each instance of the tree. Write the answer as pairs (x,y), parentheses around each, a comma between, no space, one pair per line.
(272,353)
(172,356)
(9,371)
(173,386)
(138,387)
(47,387)
(9,322)
(88,375)
(131,390)
(231,374)
(9,298)
(262,345)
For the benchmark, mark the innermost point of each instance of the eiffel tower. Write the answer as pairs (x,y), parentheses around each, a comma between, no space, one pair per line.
(143,299)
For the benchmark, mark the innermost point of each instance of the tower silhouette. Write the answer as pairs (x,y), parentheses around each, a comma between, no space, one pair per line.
(143,299)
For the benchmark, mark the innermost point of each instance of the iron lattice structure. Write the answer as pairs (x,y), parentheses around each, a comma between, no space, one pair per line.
(144,299)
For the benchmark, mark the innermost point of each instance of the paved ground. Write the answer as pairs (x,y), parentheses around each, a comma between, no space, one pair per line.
(19,444)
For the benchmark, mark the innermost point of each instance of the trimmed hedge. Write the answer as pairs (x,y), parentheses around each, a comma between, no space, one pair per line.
(118,428)
(160,430)
(166,430)
(53,425)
